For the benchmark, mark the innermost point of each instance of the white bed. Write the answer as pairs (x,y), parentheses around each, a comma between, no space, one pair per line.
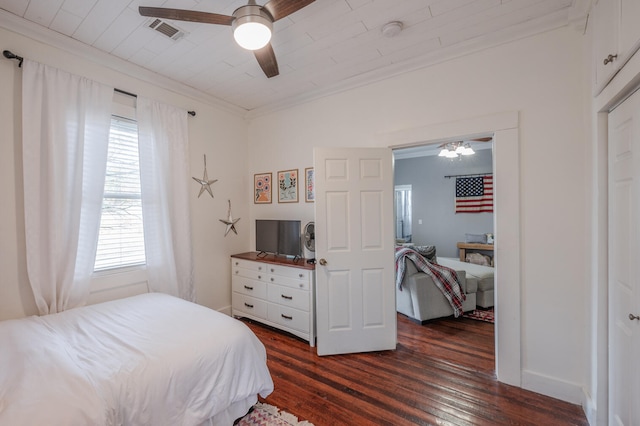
(151,359)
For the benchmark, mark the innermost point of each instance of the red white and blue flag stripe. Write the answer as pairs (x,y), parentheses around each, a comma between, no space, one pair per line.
(474,194)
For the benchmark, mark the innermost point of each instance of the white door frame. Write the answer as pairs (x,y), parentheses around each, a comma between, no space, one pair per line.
(625,82)
(506,169)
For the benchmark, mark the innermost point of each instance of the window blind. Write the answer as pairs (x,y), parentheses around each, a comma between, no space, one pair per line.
(121,238)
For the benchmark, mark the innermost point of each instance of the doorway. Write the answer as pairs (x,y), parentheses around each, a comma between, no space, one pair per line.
(504,127)
(426,215)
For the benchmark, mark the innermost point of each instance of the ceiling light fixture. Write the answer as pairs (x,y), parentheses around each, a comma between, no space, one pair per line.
(455,149)
(252,27)
(392,29)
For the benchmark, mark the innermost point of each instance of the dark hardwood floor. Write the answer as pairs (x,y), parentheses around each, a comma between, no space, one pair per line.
(441,373)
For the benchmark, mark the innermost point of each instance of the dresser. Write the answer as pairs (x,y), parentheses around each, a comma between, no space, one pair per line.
(275,291)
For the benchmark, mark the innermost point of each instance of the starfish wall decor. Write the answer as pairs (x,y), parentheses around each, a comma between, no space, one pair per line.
(205,182)
(230,222)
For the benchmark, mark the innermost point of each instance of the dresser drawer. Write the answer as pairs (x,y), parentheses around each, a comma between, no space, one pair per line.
(249,305)
(290,272)
(289,317)
(301,284)
(249,273)
(249,287)
(288,296)
(248,264)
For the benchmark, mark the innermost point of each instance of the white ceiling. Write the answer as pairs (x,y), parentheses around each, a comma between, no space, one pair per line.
(327,46)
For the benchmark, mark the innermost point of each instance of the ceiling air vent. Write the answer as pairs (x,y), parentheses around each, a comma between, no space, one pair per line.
(167,29)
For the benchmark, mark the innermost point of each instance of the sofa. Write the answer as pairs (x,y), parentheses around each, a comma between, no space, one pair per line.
(483,275)
(421,300)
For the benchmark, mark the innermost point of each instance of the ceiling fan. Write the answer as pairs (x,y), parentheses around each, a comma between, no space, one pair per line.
(252,25)
(457,148)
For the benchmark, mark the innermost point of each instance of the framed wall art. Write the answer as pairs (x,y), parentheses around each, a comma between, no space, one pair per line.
(309,188)
(288,186)
(262,188)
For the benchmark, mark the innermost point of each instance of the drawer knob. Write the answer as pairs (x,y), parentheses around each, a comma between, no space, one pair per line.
(248,305)
(236,263)
(301,275)
(287,317)
(259,277)
(609,59)
(286,297)
(248,287)
(272,279)
(272,270)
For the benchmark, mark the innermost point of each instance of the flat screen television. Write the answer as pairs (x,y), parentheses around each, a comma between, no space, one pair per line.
(280,237)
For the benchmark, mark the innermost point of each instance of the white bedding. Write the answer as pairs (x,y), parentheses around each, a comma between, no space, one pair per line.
(151,359)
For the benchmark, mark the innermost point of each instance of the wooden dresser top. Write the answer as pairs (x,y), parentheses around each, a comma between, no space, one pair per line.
(278,260)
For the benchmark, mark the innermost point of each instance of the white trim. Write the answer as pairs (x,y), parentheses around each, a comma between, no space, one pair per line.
(624,83)
(546,385)
(507,35)
(506,157)
(44,35)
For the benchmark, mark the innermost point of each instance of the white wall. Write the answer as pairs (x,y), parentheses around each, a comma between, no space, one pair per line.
(219,134)
(543,79)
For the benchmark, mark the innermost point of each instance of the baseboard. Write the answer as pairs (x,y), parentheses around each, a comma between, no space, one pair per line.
(590,409)
(226,310)
(550,386)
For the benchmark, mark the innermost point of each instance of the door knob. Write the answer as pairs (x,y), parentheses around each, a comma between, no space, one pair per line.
(322,262)
(634,317)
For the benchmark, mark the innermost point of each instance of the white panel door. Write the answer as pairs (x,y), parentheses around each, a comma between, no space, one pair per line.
(356,307)
(624,268)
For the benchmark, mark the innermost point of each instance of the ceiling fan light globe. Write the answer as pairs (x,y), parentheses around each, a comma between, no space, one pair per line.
(468,151)
(251,27)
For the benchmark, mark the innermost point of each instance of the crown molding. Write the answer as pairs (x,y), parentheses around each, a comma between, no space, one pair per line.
(52,38)
(508,35)
(568,16)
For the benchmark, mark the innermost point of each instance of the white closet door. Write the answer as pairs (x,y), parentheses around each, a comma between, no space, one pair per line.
(624,267)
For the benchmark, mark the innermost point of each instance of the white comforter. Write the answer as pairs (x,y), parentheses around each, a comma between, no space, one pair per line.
(151,359)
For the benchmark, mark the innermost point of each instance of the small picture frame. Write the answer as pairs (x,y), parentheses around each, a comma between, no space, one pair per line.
(288,186)
(309,188)
(262,184)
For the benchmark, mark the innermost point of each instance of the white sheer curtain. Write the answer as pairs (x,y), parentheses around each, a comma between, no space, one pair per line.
(65,130)
(164,172)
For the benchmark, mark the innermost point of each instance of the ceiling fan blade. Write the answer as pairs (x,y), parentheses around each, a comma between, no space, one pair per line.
(267,59)
(279,9)
(186,15)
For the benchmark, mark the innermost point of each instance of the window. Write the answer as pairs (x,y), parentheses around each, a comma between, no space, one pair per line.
(121,238)
(403,213)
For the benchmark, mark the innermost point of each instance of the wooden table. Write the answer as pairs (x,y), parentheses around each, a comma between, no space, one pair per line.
(463,247)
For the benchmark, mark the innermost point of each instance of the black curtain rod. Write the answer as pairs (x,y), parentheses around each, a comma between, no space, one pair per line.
(133,95)
(471,174)
(10,55)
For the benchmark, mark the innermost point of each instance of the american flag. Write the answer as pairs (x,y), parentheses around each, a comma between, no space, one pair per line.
(474,194)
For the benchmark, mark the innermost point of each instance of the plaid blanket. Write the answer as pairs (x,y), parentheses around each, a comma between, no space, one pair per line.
(445,278)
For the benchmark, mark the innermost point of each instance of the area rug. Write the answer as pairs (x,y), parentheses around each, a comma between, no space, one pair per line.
(268,415)
(486,315)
